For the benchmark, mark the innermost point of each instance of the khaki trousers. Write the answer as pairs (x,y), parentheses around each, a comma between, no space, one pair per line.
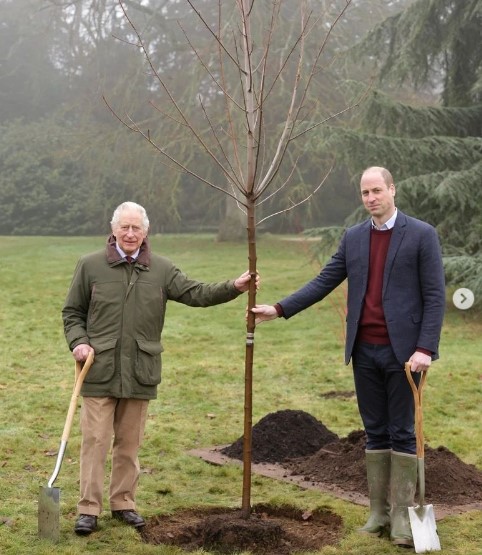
(106,421)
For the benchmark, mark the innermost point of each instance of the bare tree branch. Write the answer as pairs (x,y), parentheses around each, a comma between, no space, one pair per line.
(181,113)
(135,128)
(208,71)
(233,178)
(361,98)
(218,40)
(301,201)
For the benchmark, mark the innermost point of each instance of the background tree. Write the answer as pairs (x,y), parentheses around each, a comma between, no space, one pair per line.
(58,58)
(434,147)
(30,84)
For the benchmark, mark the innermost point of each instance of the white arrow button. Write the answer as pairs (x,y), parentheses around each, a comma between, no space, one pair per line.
(463,298)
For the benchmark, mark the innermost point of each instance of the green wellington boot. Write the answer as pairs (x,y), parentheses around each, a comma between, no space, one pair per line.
(403,486)
(378,476)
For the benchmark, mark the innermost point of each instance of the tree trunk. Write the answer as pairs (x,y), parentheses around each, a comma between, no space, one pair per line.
(248,370)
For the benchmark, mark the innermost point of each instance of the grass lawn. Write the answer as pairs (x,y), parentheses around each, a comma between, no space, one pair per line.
(200,402)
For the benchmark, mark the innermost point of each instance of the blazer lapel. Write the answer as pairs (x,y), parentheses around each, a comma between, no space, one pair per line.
(365,253)
(395,242)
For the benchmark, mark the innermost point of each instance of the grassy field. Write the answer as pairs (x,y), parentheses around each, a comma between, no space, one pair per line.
(200,400)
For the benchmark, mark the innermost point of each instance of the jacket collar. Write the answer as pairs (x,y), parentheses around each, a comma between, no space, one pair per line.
(114,258)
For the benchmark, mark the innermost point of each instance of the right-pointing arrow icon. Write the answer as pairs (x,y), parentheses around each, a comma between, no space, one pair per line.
(463,298)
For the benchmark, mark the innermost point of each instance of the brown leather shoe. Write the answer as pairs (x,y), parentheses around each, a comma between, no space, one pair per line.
(85,525)
(129,517)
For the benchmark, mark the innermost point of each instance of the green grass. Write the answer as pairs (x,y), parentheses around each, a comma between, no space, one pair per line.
(200,400)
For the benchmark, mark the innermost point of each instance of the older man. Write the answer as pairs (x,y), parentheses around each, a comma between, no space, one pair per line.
(396,299)
(116,307)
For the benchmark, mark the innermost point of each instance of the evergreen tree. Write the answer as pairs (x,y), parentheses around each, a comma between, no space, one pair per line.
(434,151)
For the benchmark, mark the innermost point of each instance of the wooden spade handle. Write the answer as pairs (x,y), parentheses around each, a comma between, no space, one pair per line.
(417,396)
(79,380)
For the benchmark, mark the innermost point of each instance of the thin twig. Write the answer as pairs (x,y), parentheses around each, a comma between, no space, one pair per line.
(180,166)
(300,202)
(179,111)
(205,23)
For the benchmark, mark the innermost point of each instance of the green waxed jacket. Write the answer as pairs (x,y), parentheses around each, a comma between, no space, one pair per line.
(119,309)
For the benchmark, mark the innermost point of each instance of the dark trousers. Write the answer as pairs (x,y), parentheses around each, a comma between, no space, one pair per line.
(385,400)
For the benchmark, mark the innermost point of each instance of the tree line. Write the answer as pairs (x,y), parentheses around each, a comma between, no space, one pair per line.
(66,162)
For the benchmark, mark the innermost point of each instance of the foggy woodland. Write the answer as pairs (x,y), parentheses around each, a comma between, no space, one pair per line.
(66,161)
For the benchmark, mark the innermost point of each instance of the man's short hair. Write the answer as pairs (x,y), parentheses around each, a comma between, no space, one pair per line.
(128,205)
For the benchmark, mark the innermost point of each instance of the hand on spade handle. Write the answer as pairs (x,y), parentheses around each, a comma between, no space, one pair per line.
(82,351)
(420,362)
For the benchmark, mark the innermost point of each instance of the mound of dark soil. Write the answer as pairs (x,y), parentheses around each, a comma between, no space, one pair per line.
(283,435)
(306,447)
(448,480)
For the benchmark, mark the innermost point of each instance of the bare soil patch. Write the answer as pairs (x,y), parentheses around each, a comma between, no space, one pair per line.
(448,480)
(293,446)
(268,531)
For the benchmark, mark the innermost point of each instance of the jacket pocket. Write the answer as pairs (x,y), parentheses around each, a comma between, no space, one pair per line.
(148,362)
(103,367)
(417,318)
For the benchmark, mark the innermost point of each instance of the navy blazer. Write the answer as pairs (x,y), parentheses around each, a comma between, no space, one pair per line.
(413,294)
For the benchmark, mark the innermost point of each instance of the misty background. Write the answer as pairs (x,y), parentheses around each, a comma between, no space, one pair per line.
(66,162)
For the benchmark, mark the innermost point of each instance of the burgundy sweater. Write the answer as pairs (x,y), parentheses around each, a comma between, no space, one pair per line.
(373,328)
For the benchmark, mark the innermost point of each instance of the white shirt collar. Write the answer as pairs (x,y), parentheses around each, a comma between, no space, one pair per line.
(123,254)
(388,224)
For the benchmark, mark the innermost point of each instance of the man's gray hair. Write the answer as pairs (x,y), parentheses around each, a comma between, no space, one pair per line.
(130,206)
